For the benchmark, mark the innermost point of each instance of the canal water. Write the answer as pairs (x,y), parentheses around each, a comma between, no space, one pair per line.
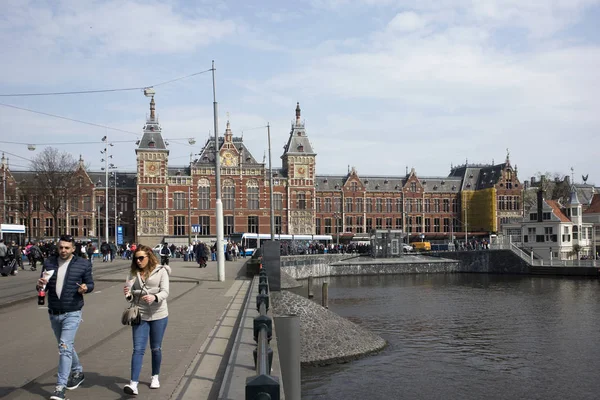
(466,336)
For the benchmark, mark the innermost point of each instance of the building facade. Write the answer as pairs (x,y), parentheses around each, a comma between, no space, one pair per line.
(159,202)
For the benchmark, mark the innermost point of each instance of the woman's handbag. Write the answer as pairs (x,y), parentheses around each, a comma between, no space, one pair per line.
(132,315)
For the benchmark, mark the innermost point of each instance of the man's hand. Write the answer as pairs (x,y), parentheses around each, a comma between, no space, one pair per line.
(82,288)
(41,283)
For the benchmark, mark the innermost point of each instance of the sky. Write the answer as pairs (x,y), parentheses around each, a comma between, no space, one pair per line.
(384,85)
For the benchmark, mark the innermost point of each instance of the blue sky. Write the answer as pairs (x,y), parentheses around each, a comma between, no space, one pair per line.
(383,84)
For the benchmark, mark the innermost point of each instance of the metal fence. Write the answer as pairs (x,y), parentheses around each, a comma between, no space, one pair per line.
(262,386)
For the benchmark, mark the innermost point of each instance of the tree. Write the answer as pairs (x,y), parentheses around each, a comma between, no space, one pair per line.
(28,200)
(55,177)
(556,187)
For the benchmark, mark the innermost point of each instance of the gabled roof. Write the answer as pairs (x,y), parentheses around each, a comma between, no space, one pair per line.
(594,207)
(436,184)
(207,155)
(585,192)
(556,210)
(479,176)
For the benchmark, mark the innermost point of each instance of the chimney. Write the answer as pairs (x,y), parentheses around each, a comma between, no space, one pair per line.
(533,181)
(540,198)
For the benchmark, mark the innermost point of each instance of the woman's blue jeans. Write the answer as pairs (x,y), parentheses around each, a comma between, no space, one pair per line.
(155,330)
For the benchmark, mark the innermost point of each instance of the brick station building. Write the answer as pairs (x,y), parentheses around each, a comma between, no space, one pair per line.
(162,202)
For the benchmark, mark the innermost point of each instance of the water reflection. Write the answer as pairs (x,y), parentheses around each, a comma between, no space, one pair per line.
(465,336)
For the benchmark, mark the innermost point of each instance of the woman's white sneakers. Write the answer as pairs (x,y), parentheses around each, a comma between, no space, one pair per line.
(155,384)
(132,388)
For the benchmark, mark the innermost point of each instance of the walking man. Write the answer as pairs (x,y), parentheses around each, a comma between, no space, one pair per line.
(70,280)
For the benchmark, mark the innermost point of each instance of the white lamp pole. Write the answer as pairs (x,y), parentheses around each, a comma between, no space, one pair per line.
(219,204)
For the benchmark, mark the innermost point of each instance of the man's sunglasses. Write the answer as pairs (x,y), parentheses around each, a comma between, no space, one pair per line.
(139,258)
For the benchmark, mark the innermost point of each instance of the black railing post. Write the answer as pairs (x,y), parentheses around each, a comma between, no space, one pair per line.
(262,386)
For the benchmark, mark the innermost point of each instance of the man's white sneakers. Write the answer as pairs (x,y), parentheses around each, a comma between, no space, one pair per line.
(132,388)
(155,384)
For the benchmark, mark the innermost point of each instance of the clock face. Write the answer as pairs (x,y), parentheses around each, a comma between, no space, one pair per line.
(228,159)
(301,171)
(152,168)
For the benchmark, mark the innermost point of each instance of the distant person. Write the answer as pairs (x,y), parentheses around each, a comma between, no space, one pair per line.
(201,254)
(36,256)
(165,254)
(3,251)
(71,279)
(149,289)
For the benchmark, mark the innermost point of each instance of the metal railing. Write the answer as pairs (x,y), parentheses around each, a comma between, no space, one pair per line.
(262,386)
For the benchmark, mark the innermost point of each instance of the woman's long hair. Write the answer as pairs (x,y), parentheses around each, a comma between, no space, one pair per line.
(152,260)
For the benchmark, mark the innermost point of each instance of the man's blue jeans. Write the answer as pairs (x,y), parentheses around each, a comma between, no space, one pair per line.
(65,327)
(155,330)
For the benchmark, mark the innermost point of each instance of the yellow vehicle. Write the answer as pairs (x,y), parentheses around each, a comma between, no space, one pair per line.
(421,246)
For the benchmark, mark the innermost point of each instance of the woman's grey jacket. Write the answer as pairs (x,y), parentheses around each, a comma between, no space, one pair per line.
(157,284)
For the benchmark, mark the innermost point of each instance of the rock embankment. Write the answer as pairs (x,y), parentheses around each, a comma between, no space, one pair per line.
(326,338)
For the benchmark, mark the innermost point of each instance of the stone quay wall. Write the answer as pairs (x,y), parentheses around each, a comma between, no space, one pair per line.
(301,267)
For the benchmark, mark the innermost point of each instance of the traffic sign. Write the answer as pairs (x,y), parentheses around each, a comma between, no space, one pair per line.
(119,234)
(196,228)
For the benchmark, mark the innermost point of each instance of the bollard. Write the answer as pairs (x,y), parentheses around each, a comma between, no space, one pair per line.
(310,287)
(325,295)
(287,328)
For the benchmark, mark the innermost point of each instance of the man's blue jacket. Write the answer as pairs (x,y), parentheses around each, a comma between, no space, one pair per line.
(78,272)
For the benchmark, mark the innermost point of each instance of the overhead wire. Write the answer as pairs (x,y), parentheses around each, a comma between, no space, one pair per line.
(71,92)
(69,119)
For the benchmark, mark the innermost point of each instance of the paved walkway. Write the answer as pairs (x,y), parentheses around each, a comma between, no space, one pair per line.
(202,315)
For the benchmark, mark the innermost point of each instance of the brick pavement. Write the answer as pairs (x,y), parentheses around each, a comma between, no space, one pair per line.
(197,306)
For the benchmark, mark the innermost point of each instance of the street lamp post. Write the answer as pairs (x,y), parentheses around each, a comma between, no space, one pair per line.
(218,202)
(114,173)
(106,167)
(190,214)
(272,220)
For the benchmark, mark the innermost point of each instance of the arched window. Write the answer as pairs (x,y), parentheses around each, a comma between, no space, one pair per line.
(228,194)
(203,194)
(252,194)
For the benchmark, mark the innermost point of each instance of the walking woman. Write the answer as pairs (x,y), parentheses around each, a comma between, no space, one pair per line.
(147,286)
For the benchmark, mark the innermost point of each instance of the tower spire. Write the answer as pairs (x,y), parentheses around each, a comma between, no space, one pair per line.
(152,108)
(297,112)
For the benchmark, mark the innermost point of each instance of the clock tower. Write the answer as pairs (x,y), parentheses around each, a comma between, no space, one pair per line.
(152,178)
(298,162)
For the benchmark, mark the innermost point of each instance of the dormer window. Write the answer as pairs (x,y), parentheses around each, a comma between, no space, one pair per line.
(424,183)
(386,181)
(325,180)
(366,181)
(376,186)
(468,185)
(300,148)
(453,187)
(443,182)
(471,176)
(435,187)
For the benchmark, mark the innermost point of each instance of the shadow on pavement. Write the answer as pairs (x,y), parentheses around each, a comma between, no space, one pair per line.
(92,379)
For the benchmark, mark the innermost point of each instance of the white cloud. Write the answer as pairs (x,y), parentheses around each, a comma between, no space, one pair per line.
(406,22)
